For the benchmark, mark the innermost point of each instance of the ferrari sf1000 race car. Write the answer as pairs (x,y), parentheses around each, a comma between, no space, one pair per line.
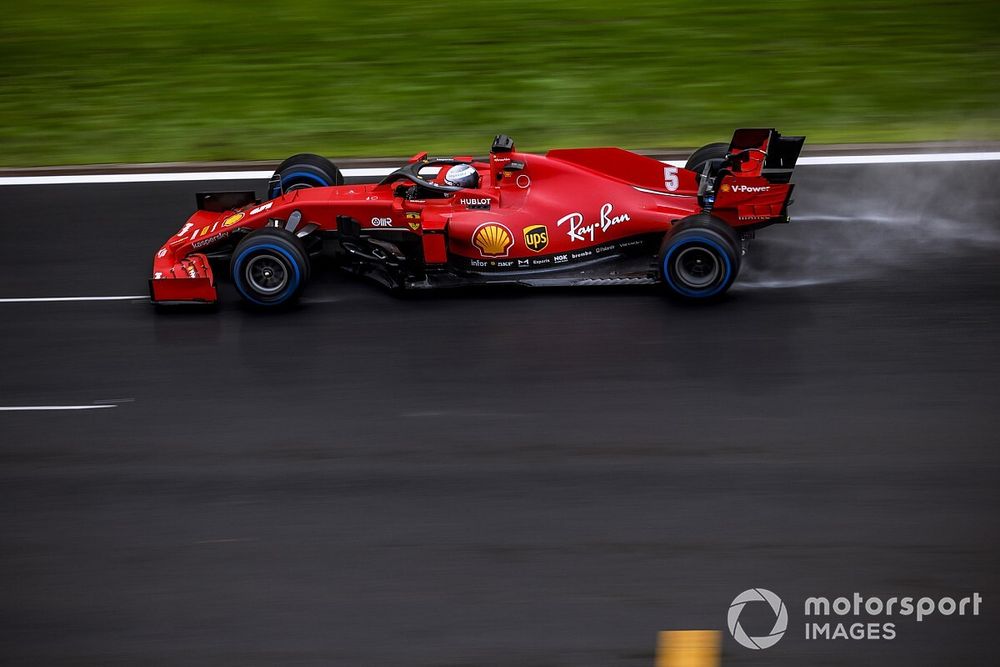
(587,216)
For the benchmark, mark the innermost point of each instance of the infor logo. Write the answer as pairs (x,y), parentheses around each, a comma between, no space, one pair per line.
(780,618)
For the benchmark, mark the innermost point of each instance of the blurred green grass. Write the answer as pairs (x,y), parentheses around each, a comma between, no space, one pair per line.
(163,80)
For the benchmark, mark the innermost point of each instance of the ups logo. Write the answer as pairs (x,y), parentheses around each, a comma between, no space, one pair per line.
(536,237)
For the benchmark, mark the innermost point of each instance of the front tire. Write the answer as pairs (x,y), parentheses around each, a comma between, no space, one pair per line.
(270,268)
(304,170)
(699,258)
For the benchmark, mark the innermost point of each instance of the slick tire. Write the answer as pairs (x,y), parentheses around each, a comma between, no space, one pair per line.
(705,154)
(270,268)
(304,170)
(699,259)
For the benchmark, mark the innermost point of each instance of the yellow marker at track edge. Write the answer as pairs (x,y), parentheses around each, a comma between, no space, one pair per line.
(688,648)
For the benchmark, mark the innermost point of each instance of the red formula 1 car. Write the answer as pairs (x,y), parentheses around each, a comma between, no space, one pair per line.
(589,216)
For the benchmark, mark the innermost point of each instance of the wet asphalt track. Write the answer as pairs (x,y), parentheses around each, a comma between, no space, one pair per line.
(502,478)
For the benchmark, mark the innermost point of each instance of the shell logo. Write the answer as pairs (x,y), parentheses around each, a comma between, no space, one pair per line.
(233,219)
(492,239)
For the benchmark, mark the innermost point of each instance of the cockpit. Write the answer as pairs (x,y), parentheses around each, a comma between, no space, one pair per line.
(452,174)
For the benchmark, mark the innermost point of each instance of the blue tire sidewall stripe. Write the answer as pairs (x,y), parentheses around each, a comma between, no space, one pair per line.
(692,293)
(238,274)
(319,178)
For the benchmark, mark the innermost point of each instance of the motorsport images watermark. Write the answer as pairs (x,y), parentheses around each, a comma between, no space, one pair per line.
(866,614)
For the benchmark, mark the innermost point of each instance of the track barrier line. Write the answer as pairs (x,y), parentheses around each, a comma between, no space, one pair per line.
(688,648)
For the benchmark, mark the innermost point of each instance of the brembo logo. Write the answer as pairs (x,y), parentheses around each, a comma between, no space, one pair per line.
(780,618)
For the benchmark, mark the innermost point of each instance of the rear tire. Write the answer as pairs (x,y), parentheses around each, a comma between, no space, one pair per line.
(699,258)
(705,154)
(305,170)
(270,268)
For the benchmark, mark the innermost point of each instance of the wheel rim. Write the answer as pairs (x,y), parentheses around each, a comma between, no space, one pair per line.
(697,267)
(266,274)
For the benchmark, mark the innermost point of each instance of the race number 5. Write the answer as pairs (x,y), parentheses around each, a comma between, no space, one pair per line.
(670,178)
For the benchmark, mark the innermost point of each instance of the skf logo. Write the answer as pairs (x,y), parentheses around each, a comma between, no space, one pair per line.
(492,239)
(536,237)
(233,219)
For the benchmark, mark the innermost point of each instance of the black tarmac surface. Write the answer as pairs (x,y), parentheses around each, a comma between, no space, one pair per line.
(517,478)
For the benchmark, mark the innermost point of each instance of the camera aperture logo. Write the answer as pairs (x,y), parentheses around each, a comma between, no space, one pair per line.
(864,617)
(780,618)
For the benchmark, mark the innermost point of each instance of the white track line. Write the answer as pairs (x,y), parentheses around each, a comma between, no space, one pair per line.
(900,159)
(33,408)
(50,299)
(166,177)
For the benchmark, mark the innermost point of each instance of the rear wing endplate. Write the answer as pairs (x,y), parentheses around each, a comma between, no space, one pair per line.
(781,153)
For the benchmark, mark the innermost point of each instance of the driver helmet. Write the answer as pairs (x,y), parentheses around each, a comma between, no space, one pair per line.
(463,176)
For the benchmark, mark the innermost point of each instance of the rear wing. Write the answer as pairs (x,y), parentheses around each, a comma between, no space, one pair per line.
(764,152)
